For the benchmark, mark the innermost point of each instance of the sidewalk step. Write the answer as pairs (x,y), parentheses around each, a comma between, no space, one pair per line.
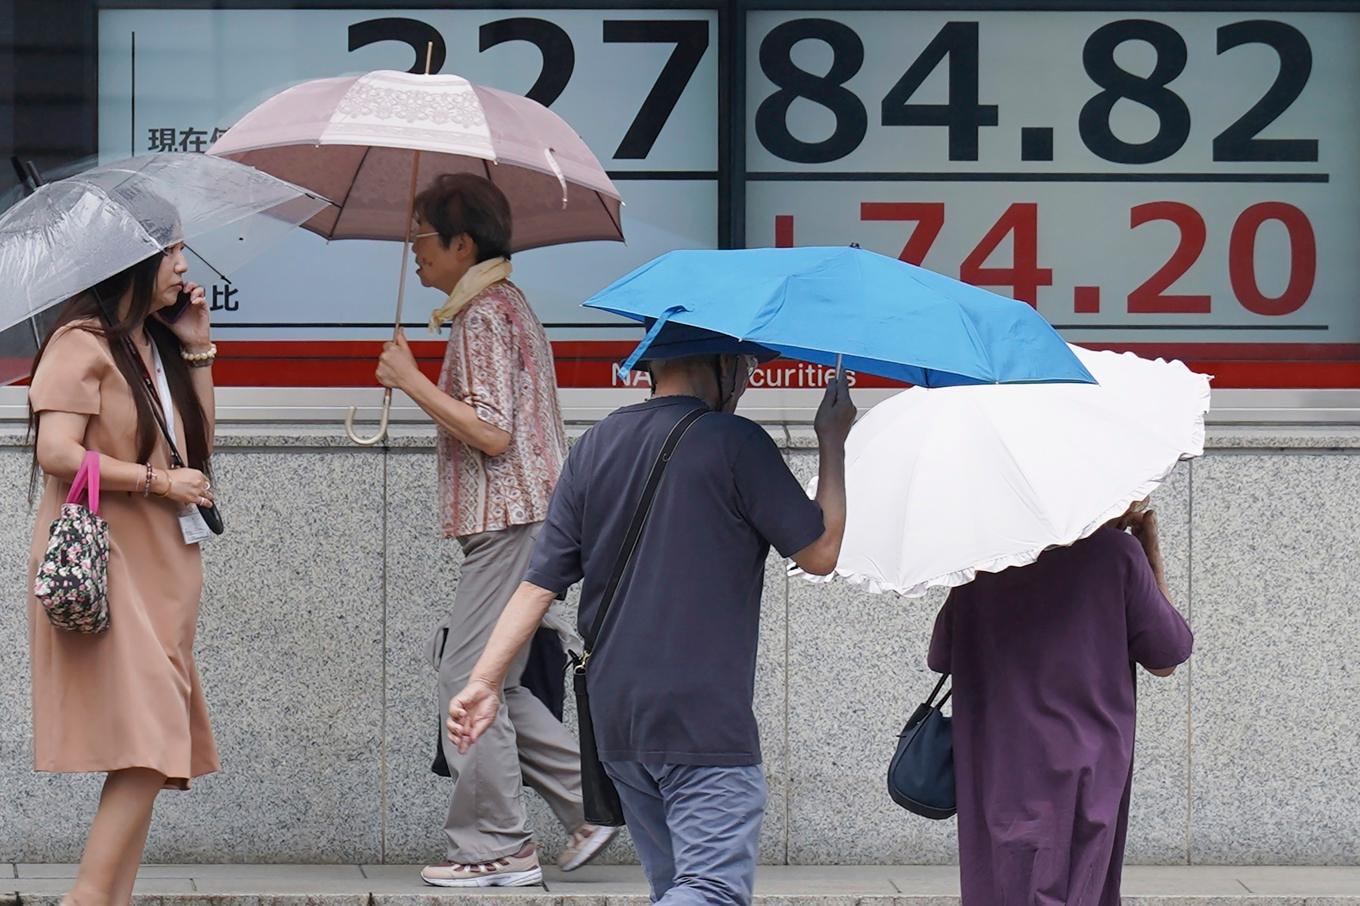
(877,885)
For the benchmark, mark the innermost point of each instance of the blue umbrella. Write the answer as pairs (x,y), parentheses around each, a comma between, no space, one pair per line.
(881,315)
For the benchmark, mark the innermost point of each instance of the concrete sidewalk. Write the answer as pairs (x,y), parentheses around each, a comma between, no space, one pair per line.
(877,885)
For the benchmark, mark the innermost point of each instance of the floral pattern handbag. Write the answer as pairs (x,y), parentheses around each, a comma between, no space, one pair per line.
(72,581)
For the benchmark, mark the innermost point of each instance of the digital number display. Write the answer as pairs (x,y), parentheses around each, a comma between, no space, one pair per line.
(1179,178)
(1179,183)
(639,86)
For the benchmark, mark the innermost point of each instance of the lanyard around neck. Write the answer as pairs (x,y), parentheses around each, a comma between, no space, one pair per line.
(154,397)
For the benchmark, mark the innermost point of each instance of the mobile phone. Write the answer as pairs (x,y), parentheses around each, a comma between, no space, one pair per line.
(172,314)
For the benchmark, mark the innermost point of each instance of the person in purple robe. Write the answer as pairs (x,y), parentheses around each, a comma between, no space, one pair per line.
(1042,658)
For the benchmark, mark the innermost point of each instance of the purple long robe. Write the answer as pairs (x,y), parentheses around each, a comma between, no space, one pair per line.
(1043,717)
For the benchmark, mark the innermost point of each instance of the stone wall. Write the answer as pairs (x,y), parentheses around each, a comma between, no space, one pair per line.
(331,576)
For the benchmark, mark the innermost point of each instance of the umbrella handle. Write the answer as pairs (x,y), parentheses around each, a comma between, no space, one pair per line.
(401,295)
(382,423)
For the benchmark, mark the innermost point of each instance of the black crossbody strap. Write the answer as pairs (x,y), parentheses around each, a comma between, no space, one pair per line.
(634,534)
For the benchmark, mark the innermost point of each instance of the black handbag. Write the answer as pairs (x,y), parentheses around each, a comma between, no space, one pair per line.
(546,670)
(600,798)
(921,775)
(543,676)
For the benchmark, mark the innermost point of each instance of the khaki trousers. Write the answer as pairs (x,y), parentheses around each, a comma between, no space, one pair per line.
(526,745)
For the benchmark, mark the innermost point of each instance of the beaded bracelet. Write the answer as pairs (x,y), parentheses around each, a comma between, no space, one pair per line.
(146,487)
(200,359)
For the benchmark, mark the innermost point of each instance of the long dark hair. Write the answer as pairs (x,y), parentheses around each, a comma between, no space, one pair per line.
(86,312)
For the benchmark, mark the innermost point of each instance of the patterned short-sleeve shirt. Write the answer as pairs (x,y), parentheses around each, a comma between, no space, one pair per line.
(500,363)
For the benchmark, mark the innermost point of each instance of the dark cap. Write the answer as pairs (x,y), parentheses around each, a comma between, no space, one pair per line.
(678,341)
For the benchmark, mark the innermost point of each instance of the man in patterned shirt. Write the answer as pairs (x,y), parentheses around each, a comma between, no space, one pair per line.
(501,446)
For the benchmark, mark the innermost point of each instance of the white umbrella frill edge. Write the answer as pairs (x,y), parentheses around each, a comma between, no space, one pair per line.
(956,578)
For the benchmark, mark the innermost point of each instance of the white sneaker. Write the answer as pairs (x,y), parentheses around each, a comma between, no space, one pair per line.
(520,870)
(586,842)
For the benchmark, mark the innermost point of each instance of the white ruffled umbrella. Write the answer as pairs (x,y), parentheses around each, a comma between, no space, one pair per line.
(945,483)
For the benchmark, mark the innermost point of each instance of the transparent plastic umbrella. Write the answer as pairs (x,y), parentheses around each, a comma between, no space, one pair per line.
(74,233)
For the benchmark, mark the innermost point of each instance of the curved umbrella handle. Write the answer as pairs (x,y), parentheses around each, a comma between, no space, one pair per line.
(382,423)
(401,293)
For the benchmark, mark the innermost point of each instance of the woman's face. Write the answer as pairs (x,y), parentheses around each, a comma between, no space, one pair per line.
(439,267)
(170,277)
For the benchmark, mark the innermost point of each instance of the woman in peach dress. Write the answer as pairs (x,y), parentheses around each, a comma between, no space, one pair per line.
(125,702)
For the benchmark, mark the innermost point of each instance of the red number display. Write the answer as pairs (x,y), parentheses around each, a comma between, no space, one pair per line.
(928,216)
(1151,297)
(1024,276)
(1302,259)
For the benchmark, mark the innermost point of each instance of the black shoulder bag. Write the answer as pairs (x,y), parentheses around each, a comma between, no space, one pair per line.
(599,796)
(921,775)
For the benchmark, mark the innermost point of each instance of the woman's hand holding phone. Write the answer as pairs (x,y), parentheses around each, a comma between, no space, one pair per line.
(188,318)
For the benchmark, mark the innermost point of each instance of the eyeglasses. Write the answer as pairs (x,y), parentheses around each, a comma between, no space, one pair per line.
(426,235)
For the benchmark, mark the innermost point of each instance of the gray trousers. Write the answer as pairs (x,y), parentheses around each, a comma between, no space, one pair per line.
(526,745)
(696,828)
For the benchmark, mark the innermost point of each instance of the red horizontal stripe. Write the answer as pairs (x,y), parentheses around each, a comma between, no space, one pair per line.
(1268,352)
(1263,375)
(588,363)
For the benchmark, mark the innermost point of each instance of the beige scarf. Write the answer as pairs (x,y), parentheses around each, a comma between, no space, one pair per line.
(478,278)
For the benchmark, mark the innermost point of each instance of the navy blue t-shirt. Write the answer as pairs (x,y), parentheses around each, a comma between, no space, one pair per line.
(673,674)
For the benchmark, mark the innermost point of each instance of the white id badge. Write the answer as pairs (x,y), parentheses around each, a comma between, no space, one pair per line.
(192,526)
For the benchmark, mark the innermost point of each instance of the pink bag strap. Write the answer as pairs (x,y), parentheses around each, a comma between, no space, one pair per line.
(87,481)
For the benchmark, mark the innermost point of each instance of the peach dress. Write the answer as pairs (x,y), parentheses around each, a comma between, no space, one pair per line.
(130,696)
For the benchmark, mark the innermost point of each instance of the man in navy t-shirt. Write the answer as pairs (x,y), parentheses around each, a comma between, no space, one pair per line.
(672,672)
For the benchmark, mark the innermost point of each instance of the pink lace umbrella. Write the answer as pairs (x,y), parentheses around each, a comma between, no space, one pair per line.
(371,142)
